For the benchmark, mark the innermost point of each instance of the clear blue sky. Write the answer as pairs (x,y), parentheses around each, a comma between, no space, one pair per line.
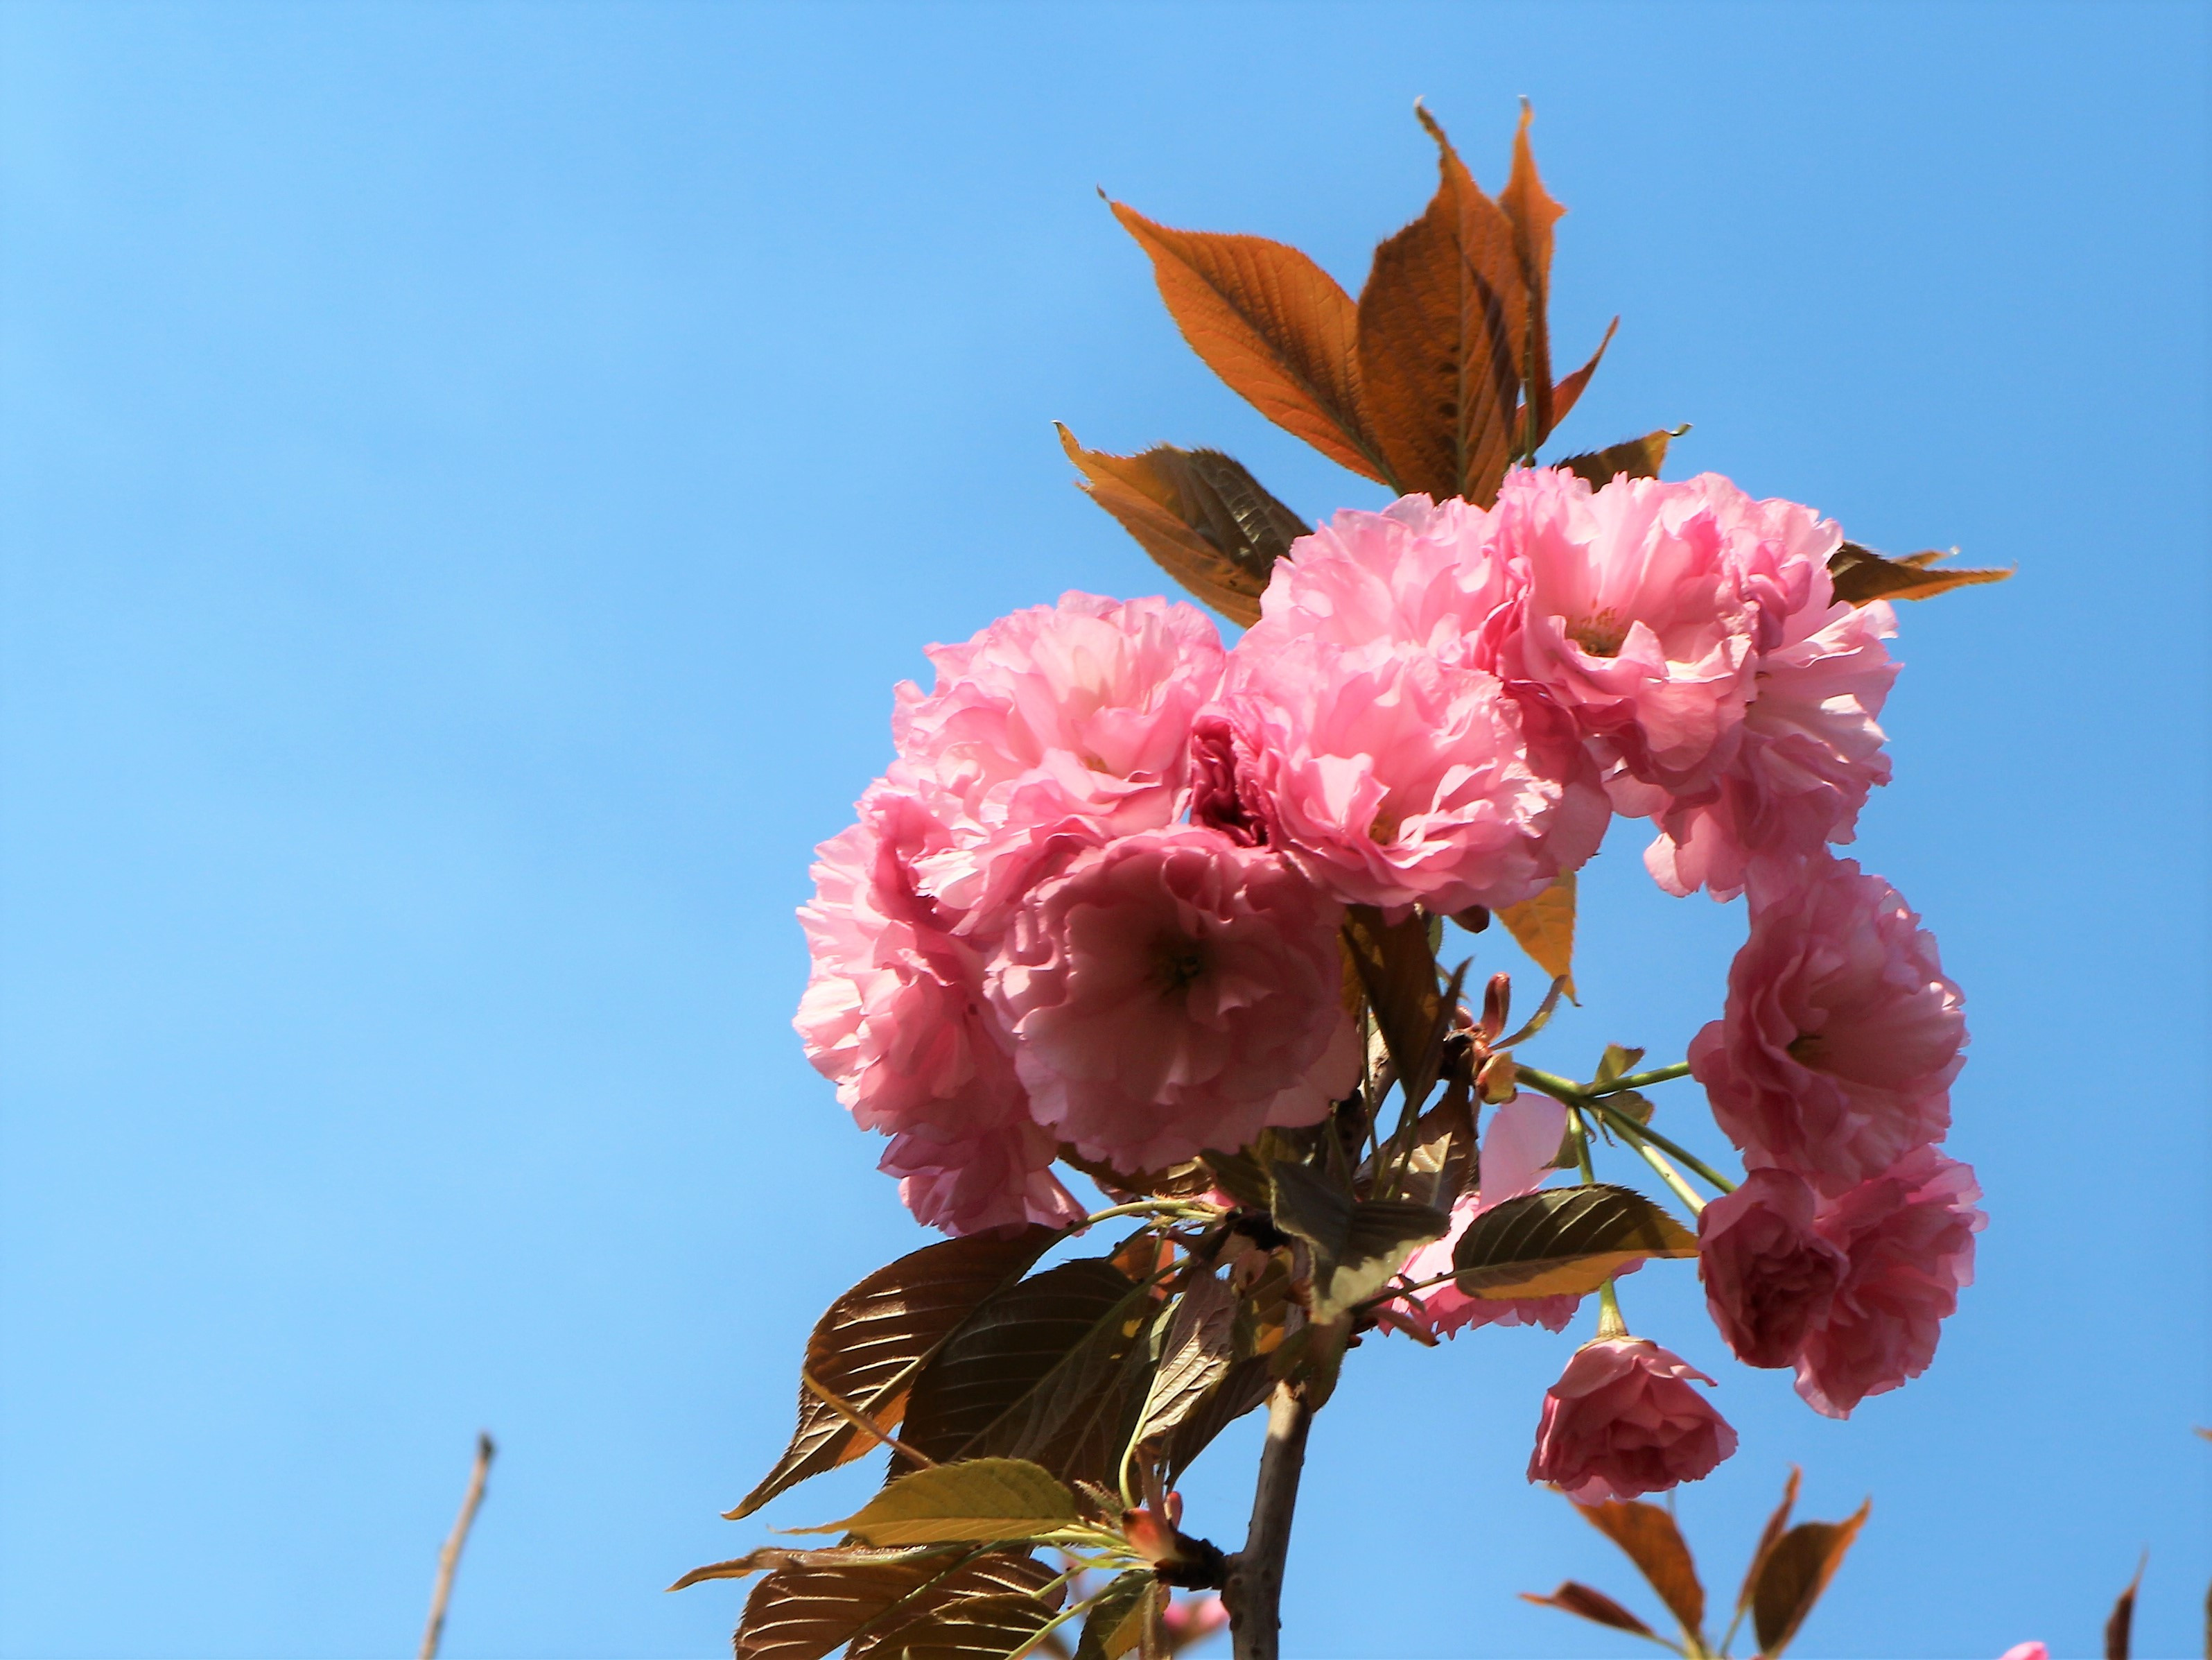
(470,476)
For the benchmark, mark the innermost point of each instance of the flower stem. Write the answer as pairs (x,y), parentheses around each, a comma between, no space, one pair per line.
(1636,1132)
(1637,1080)
(1668,1173)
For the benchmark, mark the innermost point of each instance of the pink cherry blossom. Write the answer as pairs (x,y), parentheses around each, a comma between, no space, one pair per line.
(1518,1148)
(1172,992)
(1063,721)
(1768,1274)
(1650,607)
(1808,754)
(1840,1038)
(1909,1234)
(1624,1420)
(2025,1651)
(895,1016)
(1374,744)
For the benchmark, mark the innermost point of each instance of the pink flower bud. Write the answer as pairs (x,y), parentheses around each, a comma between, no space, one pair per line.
(1623,1420)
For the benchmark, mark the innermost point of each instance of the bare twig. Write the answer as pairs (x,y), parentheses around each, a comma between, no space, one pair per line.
(450,1557)
(1254,1595)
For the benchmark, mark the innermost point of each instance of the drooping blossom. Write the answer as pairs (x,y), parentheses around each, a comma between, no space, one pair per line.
(1057,723)
(1909,1234)
(1373,741)
(896,1016)
(1840,1038)
(1638,620)
(1172,992)
(1770,1274)
(1808,754)
(1518,1147)
(1623,1420)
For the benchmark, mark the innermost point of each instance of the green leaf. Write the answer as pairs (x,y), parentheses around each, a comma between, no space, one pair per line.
(771,1559)
(1116,1620)
(1574,1598)
(1795,1573)
(1617,1061)
(981,1501)
(1195,1352)
(1564,1241)
(874,1340)
(1648,1536)
(1639,458)
(1204,519)
(1357,1244)
(807,1610)
(1046,1369)
(1861,574)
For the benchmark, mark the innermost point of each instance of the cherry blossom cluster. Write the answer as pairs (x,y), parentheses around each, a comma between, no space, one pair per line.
(1092,908)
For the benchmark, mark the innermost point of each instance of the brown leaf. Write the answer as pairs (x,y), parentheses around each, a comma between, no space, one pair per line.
(1796,1571)
(1533,213)
(1861,574)
(872,1342)
(1639,458)
(770,1558)
(1545,928)
(1271,323)
(1562,1242)
(1203,518)
(1442,324)
(2119,1628)
(1242,1390)
(1772,1531)
(1650,1539)
(1441,1164)
(1399,972)
(1183,1181)
(1591,1605)
(1569,391)
(972,1628)
(1195,1353)
(804,1612)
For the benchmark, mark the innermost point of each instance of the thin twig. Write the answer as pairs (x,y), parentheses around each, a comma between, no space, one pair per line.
(450,1557)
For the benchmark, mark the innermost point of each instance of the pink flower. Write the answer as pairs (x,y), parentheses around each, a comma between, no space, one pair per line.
(1637,619)
(1518,1149)
(1768,1274)
(1374,744)
(1910,1236)
(1809,753)
(2025,1651)
(1841,1035)
(895,1016)
(1172,992)
(1623,1420)
(1067,721)
(1191,1619)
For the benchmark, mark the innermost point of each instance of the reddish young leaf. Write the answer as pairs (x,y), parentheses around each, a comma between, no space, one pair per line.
(1650,1539)
(1441,322)
(808,1610)
(1569,391)
(1795,1573)
(1591,1605)
(1533,213)
(1639,458)
(1861,574)
(1203,519)
(1271,323)
(872,1344)
(1775,1525)
(2119,1628)
(1545,928)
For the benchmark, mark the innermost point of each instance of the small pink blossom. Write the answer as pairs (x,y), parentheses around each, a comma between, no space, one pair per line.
(1193,1619)
(1064,721)
(1518,1148)
(1841,1036)
(1768,1274)
(1172,992)
(1909,1234)
(1375,745)
(2025,1651)
(1624,1420)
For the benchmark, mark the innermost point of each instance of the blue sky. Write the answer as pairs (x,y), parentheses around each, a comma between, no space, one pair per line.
(470,477)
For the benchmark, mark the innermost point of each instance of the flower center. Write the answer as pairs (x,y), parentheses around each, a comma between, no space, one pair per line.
(1177,960)
(1600,634)
(1809,1049)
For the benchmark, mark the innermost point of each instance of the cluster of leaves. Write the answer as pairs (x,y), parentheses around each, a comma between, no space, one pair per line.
(1791,1567)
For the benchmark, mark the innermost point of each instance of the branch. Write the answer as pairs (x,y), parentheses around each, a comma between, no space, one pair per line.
(1254,1595)
(450,1557)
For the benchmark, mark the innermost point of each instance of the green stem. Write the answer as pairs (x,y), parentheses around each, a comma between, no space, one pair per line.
(1622,1121)
(1149,1207)
(1637,1080)
(1666,1172)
